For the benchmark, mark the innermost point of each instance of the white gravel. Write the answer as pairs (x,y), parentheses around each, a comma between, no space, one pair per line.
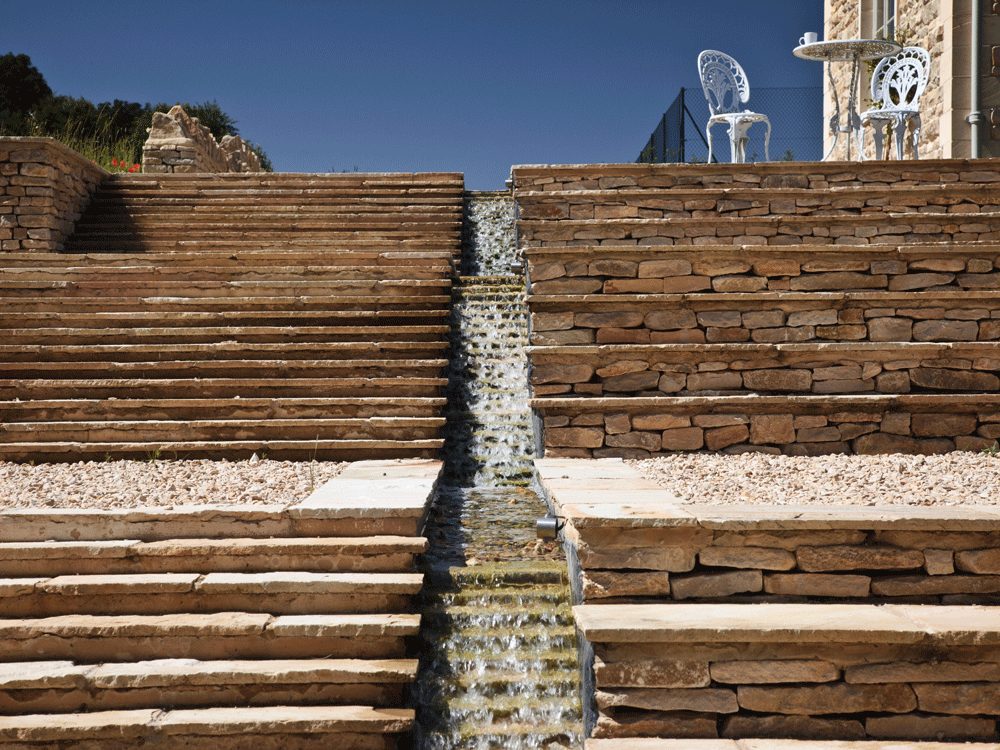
(129,484)
(949,479)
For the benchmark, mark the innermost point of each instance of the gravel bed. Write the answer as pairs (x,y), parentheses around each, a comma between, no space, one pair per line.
(757,479)
(130,484)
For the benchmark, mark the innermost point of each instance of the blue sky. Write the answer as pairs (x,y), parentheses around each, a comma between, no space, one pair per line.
(466,85)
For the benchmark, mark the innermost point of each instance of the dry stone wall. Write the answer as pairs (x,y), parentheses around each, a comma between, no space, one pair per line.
(686,292)
(895,673)
(44,188)
(177,142)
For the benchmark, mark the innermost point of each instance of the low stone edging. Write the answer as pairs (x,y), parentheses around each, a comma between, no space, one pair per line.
(44,188)
(177,142)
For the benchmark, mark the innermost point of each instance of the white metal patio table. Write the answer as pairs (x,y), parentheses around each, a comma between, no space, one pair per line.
(846,50)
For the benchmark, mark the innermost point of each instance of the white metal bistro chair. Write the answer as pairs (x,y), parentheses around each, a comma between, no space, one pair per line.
(897,83)
(727,90)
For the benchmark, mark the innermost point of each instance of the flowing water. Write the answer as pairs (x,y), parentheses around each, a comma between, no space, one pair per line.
(499,666)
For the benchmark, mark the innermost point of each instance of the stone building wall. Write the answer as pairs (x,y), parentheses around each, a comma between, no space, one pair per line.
(177,142)
(942,28)
(44,187)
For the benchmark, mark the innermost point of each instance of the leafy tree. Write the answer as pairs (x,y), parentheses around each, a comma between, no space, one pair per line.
(22,88)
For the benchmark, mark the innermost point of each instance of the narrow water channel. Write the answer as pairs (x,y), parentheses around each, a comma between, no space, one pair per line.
(499,667)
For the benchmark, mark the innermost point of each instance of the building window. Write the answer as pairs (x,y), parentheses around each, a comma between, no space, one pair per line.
(885,19)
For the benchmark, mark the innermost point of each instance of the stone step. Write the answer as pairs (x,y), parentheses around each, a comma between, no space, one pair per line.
(290,727)
(824,368)
(234,408)
(223,429)
(252,219)
(292,593)
(367,498)
(300,243)
(290,450)
(271,273)
(221,387)
(770,230)
(65,687)
(374,307)
(813,175)
(93,639)
(359,351)
(229,368)
(429,201)
(11,289)
(233,180)
(795,425)
(374,554)
(238,334)
(765,317)
(324,256)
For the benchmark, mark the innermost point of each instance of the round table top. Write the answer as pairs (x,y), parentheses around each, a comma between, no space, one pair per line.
(846,49)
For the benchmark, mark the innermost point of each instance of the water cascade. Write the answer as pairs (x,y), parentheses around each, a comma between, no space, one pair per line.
(499,665)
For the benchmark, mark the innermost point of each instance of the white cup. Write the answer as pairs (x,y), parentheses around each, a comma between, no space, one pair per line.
(810,37)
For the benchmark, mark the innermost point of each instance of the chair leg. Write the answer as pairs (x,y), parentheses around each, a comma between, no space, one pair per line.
(900,135)
(708,137)
(916,136)
(861,142)
(767,140)
(878,135)
(735,146)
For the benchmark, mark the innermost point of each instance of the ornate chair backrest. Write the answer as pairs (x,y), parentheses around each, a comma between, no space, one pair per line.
(723,81)
(900,79)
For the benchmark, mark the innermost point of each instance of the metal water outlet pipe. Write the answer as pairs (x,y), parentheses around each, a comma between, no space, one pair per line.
(549,527)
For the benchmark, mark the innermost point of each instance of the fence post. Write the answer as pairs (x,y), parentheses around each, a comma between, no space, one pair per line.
(682,154)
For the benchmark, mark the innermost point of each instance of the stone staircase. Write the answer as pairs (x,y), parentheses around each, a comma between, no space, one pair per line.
(200,626)
(298,315)
(792,308)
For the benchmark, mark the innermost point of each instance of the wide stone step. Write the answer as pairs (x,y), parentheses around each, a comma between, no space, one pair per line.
(396,308)
(13,288)
(93,639)
(295,593)
(221,387)
(234,408)
(360,351)
(65,687)
(239,334)
(369,497)
(326,256)
(795,425)
(403,181)
(146,275)
(249,221)
(223,429)
(229,368)
(290,450)
(683,369)
(375,554)
(291,727)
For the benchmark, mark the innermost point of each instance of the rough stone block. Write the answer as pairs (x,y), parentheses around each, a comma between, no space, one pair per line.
(939,728)
(793,727)
(773,671)
(707,700)
(771,428)
(838,698)
(834,558)
(761,558)
(651,673)
(716,585)
(720,437)
(817,584)
(604,584)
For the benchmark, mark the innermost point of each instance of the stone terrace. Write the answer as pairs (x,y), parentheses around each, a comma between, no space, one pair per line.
(199,625)
(222,315)
(652,285)
(756,622)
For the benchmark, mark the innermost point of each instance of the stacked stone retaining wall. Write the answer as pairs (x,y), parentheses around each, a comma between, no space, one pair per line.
(44,188)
